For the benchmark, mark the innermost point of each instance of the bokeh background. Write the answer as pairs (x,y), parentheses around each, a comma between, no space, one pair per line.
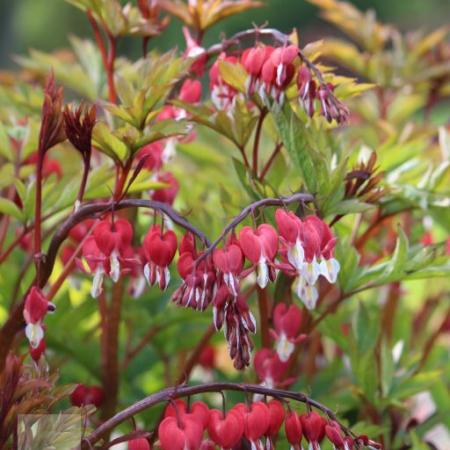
(45,24)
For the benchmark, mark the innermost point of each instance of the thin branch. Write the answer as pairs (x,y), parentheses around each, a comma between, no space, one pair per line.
(281,201)
(184,391)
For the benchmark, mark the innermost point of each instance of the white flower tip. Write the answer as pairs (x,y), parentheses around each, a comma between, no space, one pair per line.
(34,333)
(97,283)
(115,267)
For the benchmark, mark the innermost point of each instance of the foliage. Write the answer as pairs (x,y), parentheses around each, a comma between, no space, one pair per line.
(200,160)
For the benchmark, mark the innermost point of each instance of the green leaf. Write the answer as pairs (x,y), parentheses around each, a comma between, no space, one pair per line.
(351,206)
(10,209)
(396,265)
(366,329)
(108,143)
(5,144)
(309,161)
(233,74)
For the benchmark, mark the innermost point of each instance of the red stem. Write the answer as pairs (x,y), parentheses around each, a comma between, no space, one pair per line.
(37,216)
(108,56)
(270,161)
(257,141)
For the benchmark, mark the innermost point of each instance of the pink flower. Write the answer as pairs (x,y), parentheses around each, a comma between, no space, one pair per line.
(195,51)
(293,430)
(87,395)
(225,430)
(260,246)
(183,434)
(229,261)
(313,425)
(112,238)
(97,263)
(222,94)
(309,246)
(256,421)
(167,194)
(279,70)
(35,309)
(152,155)
(159,250)
(253,60)
(287,321)
(138,444)
(269,368)
(191,91)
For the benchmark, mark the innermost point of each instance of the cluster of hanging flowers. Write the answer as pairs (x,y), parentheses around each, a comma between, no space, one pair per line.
(271,72)
(302,249)
(256,425)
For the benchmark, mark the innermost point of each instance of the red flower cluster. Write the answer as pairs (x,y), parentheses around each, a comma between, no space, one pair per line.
(306,249)
(257,424)
(109,252)
(270,72)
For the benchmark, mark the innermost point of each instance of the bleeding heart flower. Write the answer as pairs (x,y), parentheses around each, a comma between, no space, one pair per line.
(138,444)
(191,91)
(35,308)
(253,60)
(200,411)
(112,237)
(226,431)
(152,156)
(293,430)
(277,414)
(229,260)
(287,321)
(183,435)
(313,426)
(260,246)
(334,435)
(222,94)
(269,368)
(167,194)
(159,250)
(309,247)
(195,51)
(97,263)
(87,395)
(256,420)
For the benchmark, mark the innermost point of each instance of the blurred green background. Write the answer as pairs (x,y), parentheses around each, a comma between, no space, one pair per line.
(45,24)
